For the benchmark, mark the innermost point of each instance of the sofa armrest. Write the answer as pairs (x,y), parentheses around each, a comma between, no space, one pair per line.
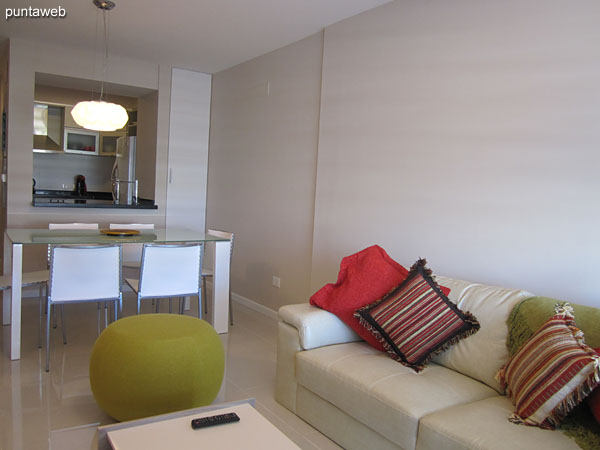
(316,327)
(303,327)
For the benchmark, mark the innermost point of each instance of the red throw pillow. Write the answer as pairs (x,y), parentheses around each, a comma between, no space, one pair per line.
(593,400)
(364,277)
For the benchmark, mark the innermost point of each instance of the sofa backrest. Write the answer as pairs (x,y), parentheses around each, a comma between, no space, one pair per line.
(481,355)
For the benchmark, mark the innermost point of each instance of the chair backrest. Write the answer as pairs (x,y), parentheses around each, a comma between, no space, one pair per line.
(132,252)
(70,226)
(83,273)
(73,226)
(170,270)
(131,226)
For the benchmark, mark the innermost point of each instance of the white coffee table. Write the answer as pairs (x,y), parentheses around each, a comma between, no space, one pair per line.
(253,431)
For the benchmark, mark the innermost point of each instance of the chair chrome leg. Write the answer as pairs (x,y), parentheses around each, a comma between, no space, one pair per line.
(49,307)
(205,297)
(41,317)
(98,315)
(138,305)
(62,321)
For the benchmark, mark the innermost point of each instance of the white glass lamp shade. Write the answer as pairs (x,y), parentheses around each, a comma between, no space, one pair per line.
(100,116)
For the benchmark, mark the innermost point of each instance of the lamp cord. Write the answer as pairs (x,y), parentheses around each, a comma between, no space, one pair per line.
(105,62)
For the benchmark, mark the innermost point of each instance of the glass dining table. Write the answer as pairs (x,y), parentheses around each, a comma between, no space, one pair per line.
(16,238)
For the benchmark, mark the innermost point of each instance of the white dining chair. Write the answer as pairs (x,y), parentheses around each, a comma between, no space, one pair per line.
(208,272)
(38,278)
(132,253)
(73,226)
(82,274)
(69,226)
(169,271)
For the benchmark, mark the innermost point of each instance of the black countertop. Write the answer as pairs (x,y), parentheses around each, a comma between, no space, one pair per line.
(69,199)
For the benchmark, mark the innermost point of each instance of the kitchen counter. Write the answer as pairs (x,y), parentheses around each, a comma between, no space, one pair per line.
(69,199)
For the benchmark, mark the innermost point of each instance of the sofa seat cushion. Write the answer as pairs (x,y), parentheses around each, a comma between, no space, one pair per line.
(484,424)
(380,393)
(481,355)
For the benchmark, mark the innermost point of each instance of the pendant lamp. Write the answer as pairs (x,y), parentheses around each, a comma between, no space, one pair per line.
(101,115)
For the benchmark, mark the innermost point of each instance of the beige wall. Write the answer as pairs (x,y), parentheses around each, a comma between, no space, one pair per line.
(261,170)
(466,132)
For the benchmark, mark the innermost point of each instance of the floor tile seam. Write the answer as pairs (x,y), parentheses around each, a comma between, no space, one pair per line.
(317,433)
(243,389)
(257,386)
(285,424)
(253,333)
(76,427)
(312,430)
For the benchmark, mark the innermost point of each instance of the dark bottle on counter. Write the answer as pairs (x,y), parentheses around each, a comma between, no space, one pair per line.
(80,187)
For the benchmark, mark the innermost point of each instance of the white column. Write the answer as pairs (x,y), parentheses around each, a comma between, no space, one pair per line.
(15,327)
(6,294)
(188,150)
(220,290)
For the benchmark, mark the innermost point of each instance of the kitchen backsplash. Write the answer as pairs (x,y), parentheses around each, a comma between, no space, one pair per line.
(58,171)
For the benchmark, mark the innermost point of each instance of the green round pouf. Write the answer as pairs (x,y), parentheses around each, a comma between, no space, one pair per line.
(154,364)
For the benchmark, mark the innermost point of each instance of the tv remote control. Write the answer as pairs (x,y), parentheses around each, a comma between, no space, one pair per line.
(209,421)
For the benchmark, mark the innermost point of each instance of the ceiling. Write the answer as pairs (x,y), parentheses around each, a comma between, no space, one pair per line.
(204,35)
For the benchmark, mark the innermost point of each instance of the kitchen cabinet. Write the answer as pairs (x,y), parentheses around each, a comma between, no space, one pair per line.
(48,124)
(108,142)
(78,140)
(55,131)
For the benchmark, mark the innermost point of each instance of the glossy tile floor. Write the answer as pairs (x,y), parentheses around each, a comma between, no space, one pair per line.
(56,410)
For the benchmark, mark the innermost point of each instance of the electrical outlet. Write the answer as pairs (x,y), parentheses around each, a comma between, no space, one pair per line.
(276,281)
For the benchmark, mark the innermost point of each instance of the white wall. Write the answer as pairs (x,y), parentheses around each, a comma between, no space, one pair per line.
(466,132)
(262,163)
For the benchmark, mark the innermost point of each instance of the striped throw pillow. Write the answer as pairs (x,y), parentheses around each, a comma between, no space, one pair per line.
(551,373)
(416,321)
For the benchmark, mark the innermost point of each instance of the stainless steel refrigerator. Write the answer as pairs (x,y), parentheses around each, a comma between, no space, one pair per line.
(124,184)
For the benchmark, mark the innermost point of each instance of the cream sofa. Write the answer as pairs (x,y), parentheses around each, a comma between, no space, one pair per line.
(362,399)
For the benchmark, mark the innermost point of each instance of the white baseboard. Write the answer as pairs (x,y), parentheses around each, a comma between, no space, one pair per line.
(254,305)
(250,304)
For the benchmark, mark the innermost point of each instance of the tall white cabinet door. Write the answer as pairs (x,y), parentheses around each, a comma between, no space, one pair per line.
(188,149)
